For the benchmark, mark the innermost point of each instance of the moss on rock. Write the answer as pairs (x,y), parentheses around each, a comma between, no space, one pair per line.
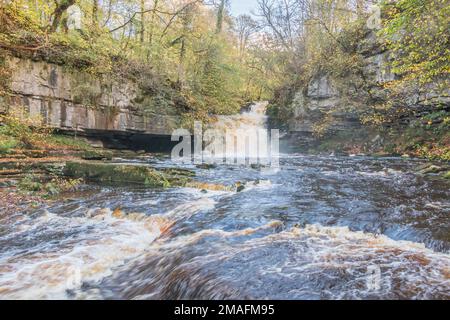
(127,174)
(96,155)
(431,169)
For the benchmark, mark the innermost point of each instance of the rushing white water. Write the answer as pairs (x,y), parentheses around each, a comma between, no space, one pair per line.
(319,228)
(95,244)
(243,136)
(189,243)
(313,262)
(253,119)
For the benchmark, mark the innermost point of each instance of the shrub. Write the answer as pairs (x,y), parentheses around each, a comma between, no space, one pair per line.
(27,131)
(31,184)
(7,144)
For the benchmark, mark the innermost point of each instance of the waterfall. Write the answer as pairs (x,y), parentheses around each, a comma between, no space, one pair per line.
(253,119)
(243,136)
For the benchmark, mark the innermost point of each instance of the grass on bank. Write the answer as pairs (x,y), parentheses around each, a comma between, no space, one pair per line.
(25,137)
(33,185)
(20,133)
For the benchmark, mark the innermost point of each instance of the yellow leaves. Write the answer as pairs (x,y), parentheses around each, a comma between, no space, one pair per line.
(374,119)
(421,41)
(446,120)
(25,128)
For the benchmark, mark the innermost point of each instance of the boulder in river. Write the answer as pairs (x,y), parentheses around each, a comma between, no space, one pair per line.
(208,186)
(96,155)
(240,187)
(206,166)
(431,168)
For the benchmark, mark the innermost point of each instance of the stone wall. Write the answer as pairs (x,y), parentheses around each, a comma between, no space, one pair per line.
(77,101)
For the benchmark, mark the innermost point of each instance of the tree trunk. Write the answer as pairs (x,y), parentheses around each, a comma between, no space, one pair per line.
(142,33)
(152,22)
(220,14)
(61,8)
(95,13)
(360,8)
(181,63)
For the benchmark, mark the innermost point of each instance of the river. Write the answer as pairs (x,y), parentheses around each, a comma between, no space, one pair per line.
(318,228)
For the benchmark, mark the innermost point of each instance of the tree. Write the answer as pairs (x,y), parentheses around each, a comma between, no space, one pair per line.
(245,27)
(186,43)
(61,8)
(153,21)
(220,15)
(417,34)
(95,13)
(285,19)
(142,31)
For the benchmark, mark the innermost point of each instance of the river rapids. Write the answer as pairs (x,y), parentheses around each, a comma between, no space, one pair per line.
(317,228)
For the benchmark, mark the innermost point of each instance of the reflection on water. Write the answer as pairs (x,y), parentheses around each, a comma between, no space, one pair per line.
(319,228)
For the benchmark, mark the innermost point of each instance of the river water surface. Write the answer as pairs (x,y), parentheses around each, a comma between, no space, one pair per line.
(317,228)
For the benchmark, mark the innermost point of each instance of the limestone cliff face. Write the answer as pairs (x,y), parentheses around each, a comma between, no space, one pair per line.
(325,96)
(77,101)
(311,105)
(338,100)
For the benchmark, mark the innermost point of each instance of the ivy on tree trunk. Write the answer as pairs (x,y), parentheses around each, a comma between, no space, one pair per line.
(60,9)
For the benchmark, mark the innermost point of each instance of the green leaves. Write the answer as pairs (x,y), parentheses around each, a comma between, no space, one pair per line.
(416,31)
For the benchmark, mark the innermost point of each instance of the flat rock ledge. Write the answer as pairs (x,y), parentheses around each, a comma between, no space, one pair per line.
(141,175)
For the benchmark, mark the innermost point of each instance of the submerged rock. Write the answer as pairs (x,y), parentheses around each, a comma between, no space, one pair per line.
(101,172)
(205,187)
(97,155)
(430,169)
(240,187)
(258,166)
(178,172)
(206,166)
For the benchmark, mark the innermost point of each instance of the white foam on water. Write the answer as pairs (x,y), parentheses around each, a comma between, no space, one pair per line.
(210,193)
(186,210)
(103,241)
(384,173)
(106,242)
(258,184)
(198,236)
(322,262)
(438,205)
(415,271)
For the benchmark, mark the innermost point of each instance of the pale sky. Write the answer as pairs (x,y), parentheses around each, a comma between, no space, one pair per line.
(242,6)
